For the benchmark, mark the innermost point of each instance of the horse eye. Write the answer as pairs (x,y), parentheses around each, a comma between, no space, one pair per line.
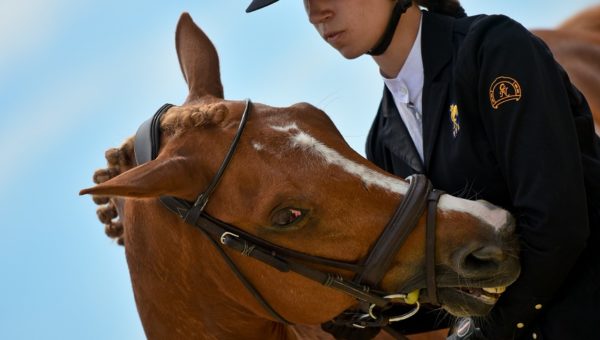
(286,217)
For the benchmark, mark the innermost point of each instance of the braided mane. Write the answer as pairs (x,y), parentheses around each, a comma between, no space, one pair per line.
(119,160)
(181,118)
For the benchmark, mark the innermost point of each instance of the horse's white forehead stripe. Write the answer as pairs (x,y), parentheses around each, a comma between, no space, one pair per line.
(494,216)
(285,128)
(491,215)
(330,156)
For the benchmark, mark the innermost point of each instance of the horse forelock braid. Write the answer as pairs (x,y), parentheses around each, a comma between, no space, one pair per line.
(118,161)
(447,7)
(181,118)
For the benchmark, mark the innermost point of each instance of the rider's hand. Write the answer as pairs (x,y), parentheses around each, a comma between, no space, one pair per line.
(465,329)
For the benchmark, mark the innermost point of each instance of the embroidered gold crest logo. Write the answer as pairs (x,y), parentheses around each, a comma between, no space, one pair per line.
(454,119)
(504,89)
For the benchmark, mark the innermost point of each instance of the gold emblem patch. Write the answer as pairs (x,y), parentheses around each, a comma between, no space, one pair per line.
(504,89)
(454,119)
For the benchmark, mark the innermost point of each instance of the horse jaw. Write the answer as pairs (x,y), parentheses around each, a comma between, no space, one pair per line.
(198,60)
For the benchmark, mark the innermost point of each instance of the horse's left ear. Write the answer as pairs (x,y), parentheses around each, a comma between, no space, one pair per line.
(155,178)
(198,60)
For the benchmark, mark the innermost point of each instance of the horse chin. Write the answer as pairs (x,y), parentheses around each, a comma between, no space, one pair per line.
(462,302)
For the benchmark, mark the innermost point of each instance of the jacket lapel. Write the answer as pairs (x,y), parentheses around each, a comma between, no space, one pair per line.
(395,136)
(437,50)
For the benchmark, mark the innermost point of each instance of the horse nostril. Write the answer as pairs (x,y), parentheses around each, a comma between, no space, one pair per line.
(483,259)
(489,253)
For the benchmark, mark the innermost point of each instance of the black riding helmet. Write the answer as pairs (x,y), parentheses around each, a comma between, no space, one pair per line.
(400,7)
(258,4)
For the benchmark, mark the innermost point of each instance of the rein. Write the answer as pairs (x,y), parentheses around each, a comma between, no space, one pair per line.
(368,273)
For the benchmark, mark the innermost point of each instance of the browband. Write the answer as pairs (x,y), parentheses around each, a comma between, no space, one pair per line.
(147,137)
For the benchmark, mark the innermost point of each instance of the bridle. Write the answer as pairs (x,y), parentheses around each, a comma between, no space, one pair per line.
(368,272)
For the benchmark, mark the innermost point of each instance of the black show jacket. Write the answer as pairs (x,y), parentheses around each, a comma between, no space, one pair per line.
(502,122)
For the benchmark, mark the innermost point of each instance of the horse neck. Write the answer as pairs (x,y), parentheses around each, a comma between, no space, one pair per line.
(182,286)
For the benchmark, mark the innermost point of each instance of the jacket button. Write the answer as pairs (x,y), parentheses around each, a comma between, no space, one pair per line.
(520,325)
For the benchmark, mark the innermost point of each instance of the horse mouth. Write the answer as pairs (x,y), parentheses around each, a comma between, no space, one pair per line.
(469,301)
(484,295)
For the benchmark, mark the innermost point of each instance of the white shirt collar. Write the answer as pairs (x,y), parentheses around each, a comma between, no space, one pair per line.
(408,84)
(407,90)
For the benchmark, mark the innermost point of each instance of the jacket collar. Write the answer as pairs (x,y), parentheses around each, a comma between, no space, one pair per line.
(437,49)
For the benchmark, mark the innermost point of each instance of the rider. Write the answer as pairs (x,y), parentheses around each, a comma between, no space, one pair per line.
(480,103)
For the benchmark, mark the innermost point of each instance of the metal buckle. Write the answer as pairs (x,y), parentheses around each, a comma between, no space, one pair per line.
(225,234)
(397,317)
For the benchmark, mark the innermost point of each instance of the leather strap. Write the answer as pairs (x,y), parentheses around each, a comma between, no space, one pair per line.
(286,260)
(147,137)
(196,210)
(432,201)
(263,302)
(399,8)
(399,227)
(216,228)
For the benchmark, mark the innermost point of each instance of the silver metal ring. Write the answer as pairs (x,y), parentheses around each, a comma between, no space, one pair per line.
(396,296)
(407,315)
(398,317)
(226,234)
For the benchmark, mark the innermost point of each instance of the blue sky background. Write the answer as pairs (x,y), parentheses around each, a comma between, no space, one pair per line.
(78,77)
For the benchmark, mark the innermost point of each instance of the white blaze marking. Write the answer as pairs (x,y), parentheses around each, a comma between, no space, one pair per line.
(285,128)
(257,146)
(368,176)
(493,216)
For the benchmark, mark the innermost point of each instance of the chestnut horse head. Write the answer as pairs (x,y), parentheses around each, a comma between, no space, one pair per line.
(576,46)
(294,202)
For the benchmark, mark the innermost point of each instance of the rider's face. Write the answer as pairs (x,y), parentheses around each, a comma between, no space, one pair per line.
(350,26)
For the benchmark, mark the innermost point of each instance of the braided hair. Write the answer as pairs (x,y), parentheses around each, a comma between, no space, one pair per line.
(446,7)
(119,160)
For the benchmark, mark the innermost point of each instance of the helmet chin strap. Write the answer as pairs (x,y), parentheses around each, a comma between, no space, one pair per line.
(399,9)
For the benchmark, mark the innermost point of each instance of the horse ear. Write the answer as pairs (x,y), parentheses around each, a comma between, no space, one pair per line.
(198,60)
(152,179)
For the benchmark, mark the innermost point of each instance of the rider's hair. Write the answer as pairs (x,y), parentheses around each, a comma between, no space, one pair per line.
(446,7)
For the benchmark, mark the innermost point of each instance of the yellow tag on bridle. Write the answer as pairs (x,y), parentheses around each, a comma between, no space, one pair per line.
(412,297)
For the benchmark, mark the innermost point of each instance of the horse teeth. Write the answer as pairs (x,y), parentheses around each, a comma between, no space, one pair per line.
(495,290)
